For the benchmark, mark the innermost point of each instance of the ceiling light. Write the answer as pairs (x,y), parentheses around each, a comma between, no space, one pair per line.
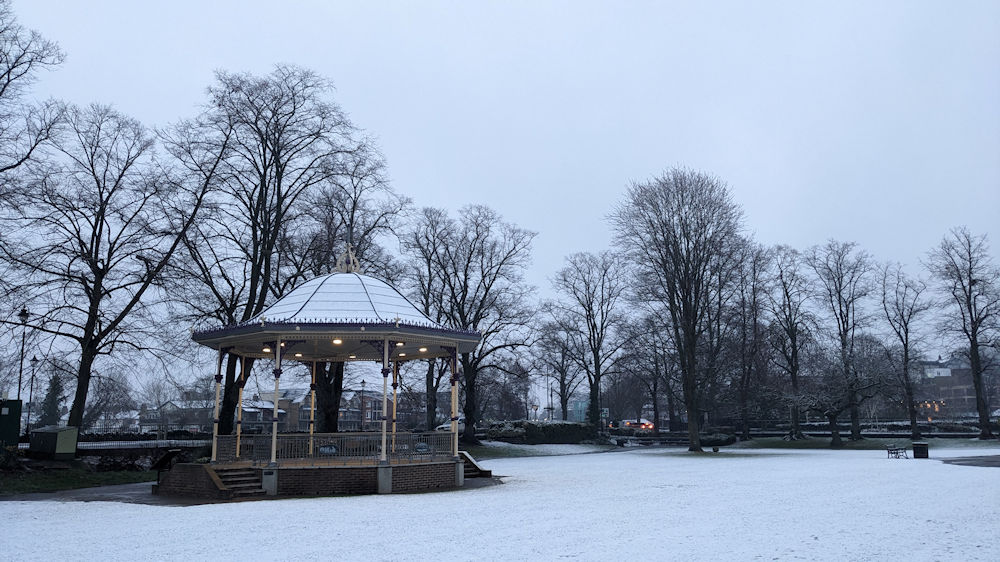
(266,349)
(352,356)
(298,355)
(402,355)
(423,350)
(338,341)
(399,344)
(282,344)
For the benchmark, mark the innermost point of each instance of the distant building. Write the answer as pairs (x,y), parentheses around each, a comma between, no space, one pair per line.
(577,410)
(944,389)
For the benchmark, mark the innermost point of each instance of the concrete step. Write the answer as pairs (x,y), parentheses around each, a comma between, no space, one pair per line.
(235,472)
(242,482)
(239,479)
(472,468)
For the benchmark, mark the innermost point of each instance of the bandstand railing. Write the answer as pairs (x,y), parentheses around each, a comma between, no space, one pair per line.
(331,449)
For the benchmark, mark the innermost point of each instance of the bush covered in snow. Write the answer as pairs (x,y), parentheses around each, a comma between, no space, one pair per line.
(538,432)
(717,439)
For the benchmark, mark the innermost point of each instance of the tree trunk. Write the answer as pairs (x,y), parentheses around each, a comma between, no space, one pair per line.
(593,408)
(796,423)
(745,407)
(672,424)
(471,409)
(855,416)
(693,414)
(745,421)
(911,407)
(977,381)
(835,441)
(83,373)
(656,409)
(329,390)
(431,389)
(230,393)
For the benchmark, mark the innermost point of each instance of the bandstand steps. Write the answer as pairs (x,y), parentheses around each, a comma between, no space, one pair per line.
(473,469)
(243,482)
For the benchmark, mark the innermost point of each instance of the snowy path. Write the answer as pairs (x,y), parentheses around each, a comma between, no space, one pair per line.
(656,504)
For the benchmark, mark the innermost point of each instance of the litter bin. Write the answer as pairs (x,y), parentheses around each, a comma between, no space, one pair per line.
(53,442)
(920,450)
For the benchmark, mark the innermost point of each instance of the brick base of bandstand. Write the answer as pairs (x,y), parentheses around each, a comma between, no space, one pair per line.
(201,480)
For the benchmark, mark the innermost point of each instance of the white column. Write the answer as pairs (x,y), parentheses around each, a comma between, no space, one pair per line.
(312,407)
(385,395)
(274,415)
(215,418)
(239,403)
(454,403)
(395,387)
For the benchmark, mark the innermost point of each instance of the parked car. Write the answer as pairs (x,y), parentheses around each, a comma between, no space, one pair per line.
(446,426)
(637,424)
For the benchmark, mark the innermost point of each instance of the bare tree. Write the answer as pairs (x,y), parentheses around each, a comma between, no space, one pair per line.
(903,303)
(289,141)
(789,306)
(96,226)
(676,227)
(967,275)
(749,304)
(556,352)
(425,282)
(24,128)
(823,391)
(842,271)
(111,395)
(592,286)
(646,356)
(483,260)
(357,208)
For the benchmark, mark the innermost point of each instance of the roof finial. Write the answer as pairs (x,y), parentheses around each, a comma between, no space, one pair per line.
(348,262)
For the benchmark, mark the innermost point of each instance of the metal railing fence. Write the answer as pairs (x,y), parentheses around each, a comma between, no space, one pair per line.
(324,449)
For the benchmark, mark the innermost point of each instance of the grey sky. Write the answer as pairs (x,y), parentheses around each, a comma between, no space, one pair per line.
(877,122)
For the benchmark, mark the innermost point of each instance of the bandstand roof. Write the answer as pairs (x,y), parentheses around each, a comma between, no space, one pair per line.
(340,317)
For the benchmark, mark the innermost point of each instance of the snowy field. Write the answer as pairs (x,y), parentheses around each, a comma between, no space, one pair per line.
(660,504)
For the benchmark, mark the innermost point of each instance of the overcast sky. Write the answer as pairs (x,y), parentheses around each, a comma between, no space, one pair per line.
(874,122)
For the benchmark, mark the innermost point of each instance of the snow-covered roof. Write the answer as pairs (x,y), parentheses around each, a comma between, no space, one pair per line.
(344,297)
(341,317)
(260,405)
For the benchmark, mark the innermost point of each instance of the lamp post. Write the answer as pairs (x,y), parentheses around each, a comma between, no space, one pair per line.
(23,317)
(534,408)
(31,392)
(362,405)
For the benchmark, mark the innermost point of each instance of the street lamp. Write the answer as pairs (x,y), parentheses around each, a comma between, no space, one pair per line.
(534,407)
(31,392)
(362,405)
(23,316)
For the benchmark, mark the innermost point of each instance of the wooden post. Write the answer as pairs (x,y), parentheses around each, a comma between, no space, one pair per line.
(395,386)
(312,407)
(385,397)
(215,417)
(239,403)
(274,414)
(454,403)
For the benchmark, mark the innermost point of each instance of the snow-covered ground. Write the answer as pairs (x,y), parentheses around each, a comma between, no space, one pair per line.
(647,504)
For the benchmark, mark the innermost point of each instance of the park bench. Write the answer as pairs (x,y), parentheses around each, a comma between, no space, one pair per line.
(896,452)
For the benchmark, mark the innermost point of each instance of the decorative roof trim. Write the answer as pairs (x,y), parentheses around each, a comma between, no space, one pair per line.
(263,326)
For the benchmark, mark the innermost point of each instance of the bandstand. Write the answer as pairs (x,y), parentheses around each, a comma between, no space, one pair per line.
(340,317)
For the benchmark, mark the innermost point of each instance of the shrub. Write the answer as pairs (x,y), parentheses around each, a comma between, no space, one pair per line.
(536,433)
(717,439)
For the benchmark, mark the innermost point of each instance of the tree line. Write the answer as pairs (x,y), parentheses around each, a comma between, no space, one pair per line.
(118,237)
